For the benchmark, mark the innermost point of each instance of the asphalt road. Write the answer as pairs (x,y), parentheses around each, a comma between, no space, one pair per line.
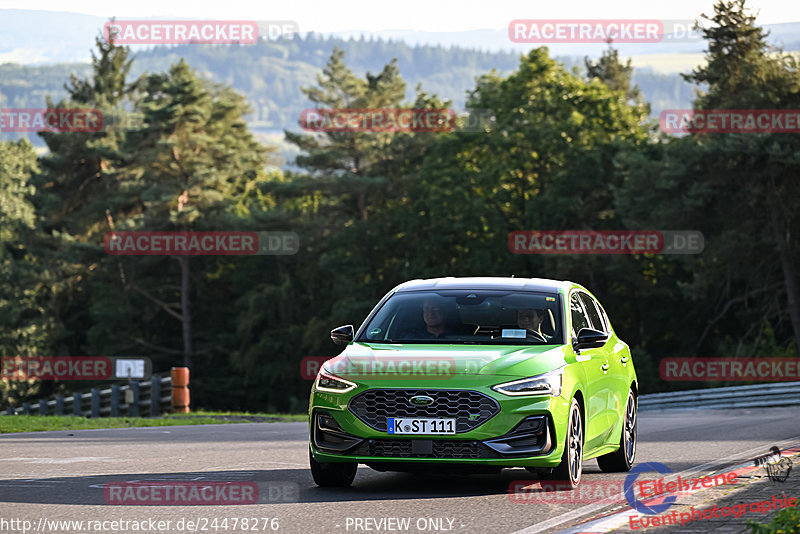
(49,476)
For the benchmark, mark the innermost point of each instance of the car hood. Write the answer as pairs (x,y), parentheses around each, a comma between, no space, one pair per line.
(378,360)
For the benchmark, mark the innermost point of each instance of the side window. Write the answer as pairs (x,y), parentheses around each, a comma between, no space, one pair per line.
(591,311)
(579,319)
(604,317)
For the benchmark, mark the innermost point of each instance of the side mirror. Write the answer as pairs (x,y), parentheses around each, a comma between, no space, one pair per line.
(343,335)
(589,338)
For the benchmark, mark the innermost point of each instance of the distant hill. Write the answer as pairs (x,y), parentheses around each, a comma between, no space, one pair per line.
(271,74)
(46,37)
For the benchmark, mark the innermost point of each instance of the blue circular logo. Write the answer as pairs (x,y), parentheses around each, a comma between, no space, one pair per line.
(631,479)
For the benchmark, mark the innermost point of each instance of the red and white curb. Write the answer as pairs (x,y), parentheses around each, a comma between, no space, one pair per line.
(614,520)
(619,519)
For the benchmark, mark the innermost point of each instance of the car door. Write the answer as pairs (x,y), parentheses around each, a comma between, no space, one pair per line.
(615,375)
(595,364)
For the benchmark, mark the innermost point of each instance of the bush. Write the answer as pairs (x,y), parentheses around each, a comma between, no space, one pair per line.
(787,521)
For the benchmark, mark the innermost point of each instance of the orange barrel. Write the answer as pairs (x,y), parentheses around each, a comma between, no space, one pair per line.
(180,390)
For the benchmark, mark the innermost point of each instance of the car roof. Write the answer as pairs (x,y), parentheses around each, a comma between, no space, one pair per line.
(488,282)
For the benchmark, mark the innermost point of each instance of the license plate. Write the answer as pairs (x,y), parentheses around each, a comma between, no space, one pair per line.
(397,425)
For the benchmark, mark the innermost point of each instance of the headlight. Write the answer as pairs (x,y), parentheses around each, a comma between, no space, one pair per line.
(545,384)
(332,384)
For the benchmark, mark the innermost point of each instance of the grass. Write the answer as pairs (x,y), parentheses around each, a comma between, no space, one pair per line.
(282,416)
(786,521)
(38,423)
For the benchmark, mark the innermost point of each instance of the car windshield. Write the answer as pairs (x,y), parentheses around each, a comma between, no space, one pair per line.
(467,317)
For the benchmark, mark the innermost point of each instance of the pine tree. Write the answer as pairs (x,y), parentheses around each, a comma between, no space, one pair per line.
(184,170)
(27,325)
(616,75)
(350,157)
(758,172)
(737,51)
(76,179)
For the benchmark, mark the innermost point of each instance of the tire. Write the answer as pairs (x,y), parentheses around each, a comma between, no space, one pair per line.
(622,459)
(332,475)
(571,467)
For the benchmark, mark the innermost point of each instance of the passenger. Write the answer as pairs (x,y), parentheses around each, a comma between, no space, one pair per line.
(532,319)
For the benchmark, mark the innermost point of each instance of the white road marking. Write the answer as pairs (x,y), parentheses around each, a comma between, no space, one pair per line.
(27,486)
(69,460)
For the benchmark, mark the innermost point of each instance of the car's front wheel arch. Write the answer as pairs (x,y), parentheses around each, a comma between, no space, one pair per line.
(578,396)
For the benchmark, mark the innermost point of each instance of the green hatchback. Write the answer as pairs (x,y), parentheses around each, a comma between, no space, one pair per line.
(476,374)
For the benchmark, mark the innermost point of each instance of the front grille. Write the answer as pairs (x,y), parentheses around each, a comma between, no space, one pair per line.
(401,448)
(470,409)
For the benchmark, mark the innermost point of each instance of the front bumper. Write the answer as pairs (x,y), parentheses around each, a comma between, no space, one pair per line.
(523,433)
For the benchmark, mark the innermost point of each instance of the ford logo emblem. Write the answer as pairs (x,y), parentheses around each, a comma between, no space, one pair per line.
(421,400)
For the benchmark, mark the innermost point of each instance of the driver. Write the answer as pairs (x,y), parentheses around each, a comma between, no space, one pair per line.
(433,314)
(435,317)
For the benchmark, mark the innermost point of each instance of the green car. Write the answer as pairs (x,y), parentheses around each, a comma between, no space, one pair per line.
(476,374)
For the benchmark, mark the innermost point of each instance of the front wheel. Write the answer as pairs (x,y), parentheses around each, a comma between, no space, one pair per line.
(571,466)
(622,459)
(332,475)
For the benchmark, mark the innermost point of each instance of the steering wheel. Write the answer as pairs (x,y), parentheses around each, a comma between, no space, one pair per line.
(534,333)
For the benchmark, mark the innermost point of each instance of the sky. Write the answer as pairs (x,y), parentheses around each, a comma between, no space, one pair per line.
(421,15)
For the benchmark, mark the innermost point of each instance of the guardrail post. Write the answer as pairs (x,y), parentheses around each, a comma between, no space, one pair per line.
(114,400)
(26,408)
(155,396)
(95,402)
(133,406)
(42,407)
(76,404)
(59,404)
(180,390)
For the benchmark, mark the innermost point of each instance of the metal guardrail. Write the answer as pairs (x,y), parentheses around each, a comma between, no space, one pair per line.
(137,397)
(757,396)
(132,400)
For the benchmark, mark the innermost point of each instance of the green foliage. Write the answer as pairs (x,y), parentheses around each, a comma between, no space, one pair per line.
(563,151)
(36,423)
(609,70)
(271,74)
(752,176)
(786,521)
(26,322)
